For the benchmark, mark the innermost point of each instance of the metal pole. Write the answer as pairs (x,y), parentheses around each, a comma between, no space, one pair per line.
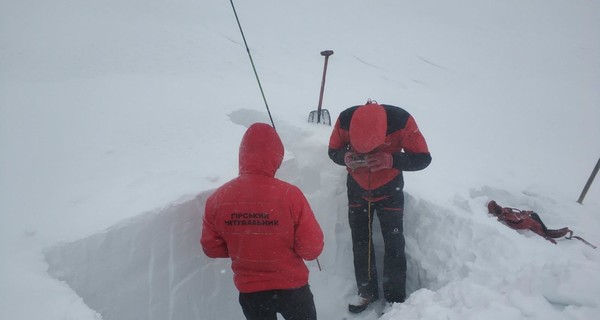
(252,63)
(589,182)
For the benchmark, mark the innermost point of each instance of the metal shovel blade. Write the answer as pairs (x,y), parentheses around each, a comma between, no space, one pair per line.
(325,118)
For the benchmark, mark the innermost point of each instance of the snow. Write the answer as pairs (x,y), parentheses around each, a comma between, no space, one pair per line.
(119,118)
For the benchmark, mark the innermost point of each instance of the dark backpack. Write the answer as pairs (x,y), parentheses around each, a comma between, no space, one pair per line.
(530,220)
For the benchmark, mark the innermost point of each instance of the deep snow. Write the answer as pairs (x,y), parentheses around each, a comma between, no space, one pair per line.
(118,118)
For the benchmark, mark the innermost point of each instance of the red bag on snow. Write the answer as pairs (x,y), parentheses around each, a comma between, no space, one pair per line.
(529,220)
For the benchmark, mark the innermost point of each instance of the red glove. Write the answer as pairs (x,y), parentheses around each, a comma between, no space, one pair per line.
(379,161)
(354,160)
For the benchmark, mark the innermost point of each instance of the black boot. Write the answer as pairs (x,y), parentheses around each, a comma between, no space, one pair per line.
(360,303)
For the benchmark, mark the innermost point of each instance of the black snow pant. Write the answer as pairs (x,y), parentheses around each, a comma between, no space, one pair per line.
(292,304)
(390,214)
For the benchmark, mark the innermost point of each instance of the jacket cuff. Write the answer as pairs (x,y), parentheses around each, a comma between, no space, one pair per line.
(337,155)
(411,161)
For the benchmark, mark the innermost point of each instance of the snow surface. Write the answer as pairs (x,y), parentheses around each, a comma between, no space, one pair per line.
(118,119)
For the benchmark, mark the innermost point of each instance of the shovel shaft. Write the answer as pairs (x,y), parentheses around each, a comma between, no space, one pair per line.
(326,54)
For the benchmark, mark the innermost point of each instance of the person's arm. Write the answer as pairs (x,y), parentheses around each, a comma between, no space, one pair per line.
(416,154)
(213,245)
(405,161)
(308,236)
(338,144)
(337,155)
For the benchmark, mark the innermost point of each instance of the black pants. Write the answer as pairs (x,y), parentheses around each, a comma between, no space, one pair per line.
(292,304)
(390,214)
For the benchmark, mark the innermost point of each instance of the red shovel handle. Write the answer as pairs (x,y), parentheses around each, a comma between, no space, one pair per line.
(326,54)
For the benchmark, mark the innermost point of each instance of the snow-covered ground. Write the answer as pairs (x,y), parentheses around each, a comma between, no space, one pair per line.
(118,118)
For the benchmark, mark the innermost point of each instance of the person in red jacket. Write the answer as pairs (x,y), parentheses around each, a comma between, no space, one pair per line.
(267,228)
(377,143)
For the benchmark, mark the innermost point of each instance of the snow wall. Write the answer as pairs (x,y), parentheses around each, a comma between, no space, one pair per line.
(152,266)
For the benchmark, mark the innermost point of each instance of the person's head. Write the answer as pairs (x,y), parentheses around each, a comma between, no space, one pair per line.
(368,128)
(261,150)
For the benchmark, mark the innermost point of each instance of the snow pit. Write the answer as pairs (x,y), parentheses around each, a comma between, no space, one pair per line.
(152,267)
(462,262)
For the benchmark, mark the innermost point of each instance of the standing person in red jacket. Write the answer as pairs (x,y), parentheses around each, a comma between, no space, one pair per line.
(377,143)
(267,228)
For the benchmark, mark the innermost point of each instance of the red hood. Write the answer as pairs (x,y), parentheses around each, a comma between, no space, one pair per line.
(368,128)
(261,150)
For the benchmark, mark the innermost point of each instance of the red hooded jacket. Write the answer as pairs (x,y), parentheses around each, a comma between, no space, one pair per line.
(263,224)
(386,128)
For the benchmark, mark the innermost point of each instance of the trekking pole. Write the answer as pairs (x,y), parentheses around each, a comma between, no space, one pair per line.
(589,182)
(252,62)
(326,54)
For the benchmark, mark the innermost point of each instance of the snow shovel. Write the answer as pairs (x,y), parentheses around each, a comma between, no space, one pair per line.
(321,115)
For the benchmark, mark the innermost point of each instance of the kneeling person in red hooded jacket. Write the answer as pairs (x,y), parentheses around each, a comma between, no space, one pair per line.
(267,228)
